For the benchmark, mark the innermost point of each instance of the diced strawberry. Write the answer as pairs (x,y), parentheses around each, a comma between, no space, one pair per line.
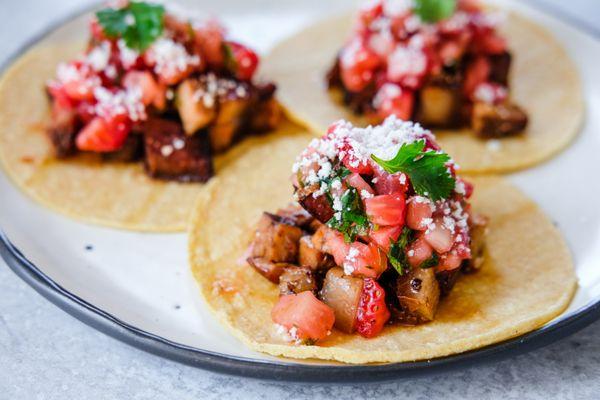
(86,111)
(477,72)
(145,83)
(96,30)
(101,135)
(439,237)
(391,99)
(335,245)
(357,65)
(448,262)
(240,60)
(209,39)
(59,95)
(488,42)
(370,11)
(389,183)
(364,260)
(372,311)
(385,235)
(304,315)
(418,252)
(407,66)
(418,213)
(381,44)
(357,182)
(386,209)
(351,162)
(78,81)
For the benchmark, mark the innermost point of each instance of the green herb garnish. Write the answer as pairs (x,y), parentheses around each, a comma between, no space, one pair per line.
(430,262)
(426,169)
(434,10)
(353,221)
(396,255)
(139,23)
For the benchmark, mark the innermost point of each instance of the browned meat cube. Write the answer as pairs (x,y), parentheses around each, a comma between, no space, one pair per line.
(318,207)
(231,116)
(418,295)
(276,240)
(196,107)
(265,116)
(131,150)
(62,130)
(478,231)
(295,279)
(446,280)
(496,121)
(342,293)
(310,256)
(500,67)
(440,101)
(170,154)
(296,215)
(269,269)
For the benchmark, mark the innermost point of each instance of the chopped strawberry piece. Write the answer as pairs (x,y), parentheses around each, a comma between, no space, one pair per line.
(357,65)
(389,183)
(370,11)
(304,316)
(439,237)
(448,262)
(145,83)
(209,39)
(101,135)
(391,99)
(59,95)
(335,245)
(488,42)
(351,162)
(357,182)
(96,30)
(240,60)
(477,72)
(418,252)
(384,236)
(372,310)
(365,260)
(386,209)
(418,213)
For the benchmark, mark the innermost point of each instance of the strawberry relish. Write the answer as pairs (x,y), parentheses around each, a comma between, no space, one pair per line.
(158,65)
(397,62)
(384,229)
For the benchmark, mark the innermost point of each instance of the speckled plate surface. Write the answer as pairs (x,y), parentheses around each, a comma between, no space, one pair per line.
(138,288)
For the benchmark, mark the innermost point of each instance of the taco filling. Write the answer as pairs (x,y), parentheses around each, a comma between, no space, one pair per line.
(441,63)
(382,232)
(160,88)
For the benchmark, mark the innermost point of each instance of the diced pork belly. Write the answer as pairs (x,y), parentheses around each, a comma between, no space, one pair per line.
(296,215)
(131,150)
(171,154)
(497,120)
(342,293)
(195,112)
(500,67)
(418,294)
(269,269)
(62,130)
(446,279)
(440,100)
(296,279)
(478,231)
(232,115)
(310,256)
(265,116)
(318,207)
(276,240)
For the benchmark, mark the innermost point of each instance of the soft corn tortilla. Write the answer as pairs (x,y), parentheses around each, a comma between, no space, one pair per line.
(119,195)
(544,81)
(526,280)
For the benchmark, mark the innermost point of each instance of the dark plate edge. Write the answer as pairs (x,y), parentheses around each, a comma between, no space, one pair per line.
(216,362)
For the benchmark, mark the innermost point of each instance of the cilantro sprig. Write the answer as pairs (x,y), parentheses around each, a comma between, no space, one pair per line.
(352,220)
(396,255)
(139,23)
(434,10)
(426,169)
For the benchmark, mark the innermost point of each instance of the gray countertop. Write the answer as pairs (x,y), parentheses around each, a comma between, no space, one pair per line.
(46,354)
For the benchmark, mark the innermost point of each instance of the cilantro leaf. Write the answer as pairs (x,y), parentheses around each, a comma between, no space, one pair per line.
(353,220)
(396,255)
(430,262)
(434,10)
(426,169)
(139,23)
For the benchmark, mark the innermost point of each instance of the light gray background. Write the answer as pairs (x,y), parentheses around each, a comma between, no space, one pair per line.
(46,354)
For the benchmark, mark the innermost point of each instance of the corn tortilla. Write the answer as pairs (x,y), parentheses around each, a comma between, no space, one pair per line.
(544,81)
(119,195)
(526,280)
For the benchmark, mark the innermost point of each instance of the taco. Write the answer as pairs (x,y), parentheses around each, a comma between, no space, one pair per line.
(480,78)
(385,254)
(150,103)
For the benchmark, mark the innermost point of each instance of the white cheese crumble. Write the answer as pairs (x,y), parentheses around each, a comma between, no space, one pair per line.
(99,57)
(493,145)
(170,57)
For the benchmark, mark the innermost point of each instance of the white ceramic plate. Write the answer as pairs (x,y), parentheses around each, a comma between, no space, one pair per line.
(138,288)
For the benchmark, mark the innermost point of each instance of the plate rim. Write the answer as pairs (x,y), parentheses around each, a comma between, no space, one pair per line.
(112,326)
